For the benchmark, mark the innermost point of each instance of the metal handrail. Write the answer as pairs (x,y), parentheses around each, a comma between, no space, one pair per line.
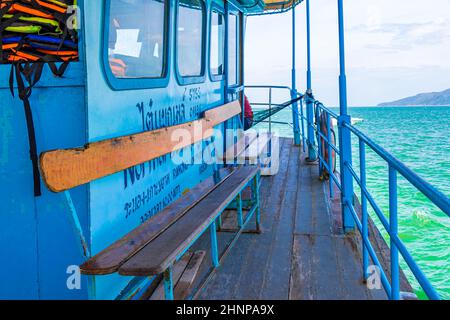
(296,97)
(396,245)
(390,224)
(437,197)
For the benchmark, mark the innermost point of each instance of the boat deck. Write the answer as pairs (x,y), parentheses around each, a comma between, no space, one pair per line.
(301,252)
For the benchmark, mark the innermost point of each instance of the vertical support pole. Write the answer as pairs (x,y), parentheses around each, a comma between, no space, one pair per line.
(320,140)
(214,247)
(393,224)
(345,141)
(216,177)
(226,78)
(257,201)
(269,151)
(330,155)
(242,25)
(309,98)
(302,117)
(270,110)
(239,210)
(219,223)
(364,213)
(295,119)
(227,50)
(168,284)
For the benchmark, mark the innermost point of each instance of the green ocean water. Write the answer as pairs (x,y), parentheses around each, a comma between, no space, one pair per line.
(420,138)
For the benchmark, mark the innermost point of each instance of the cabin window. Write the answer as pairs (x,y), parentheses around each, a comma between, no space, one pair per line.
(190,26)
(136,46)
(217,47)
(233,49)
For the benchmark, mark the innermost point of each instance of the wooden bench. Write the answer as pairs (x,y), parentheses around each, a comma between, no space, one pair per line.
(156,245)
(252,148)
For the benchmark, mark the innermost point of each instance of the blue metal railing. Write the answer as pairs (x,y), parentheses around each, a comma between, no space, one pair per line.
(396,167)
(313,134)
(297,107)
(390,224)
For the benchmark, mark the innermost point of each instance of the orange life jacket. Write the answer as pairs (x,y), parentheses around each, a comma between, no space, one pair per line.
(118,67)
(19,7)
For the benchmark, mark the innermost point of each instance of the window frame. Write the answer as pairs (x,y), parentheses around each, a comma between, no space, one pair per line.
(187,80)
(118,84)
(236,14)
(215,7)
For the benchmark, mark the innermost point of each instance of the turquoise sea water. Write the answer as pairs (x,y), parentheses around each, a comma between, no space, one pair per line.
(420,138)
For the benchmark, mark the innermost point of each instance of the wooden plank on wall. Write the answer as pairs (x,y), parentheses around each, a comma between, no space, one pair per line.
(65,169)
(222,114)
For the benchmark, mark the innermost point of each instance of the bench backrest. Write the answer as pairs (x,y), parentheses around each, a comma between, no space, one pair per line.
(68,168)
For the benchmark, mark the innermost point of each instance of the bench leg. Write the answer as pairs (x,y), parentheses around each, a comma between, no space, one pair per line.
(257,202)
(219,223)
(168,284)
(239,210)
(214,247)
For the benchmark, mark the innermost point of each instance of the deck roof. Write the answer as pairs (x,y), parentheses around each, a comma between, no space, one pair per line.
(261,7)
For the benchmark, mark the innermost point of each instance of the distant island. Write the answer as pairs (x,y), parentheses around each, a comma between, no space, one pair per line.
(423,99)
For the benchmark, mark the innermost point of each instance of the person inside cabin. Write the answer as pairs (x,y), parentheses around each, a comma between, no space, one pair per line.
(248,114)
(117,65)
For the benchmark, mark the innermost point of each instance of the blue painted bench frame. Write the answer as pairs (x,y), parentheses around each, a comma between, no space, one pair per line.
(213,227)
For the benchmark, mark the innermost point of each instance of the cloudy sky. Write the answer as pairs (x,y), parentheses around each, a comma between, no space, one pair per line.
(395,48)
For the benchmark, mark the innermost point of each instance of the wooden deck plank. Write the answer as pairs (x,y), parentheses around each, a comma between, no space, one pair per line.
(315,272)
(320,213)
(184,285)
(254,274)
(351,270)
(313,215)
(301,271)
(277,278)
(303,223)
(236,278)
(326,276)
(299,255)
(223,283)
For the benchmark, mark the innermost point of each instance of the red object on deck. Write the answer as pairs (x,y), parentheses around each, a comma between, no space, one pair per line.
(248,112)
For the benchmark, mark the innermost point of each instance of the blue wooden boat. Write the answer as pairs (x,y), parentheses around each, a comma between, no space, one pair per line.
(103,211)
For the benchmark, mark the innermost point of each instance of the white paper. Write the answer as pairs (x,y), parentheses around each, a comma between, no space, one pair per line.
(127,43)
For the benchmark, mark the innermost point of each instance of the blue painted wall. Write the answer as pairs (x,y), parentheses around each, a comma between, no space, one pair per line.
(39,239)
(38,242)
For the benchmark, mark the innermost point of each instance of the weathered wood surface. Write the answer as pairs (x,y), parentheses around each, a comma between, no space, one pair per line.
(157,255)
(183,288)
(379,244)
(65,169)
(184,273)
(299,254)
(109,260)
(177,272)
